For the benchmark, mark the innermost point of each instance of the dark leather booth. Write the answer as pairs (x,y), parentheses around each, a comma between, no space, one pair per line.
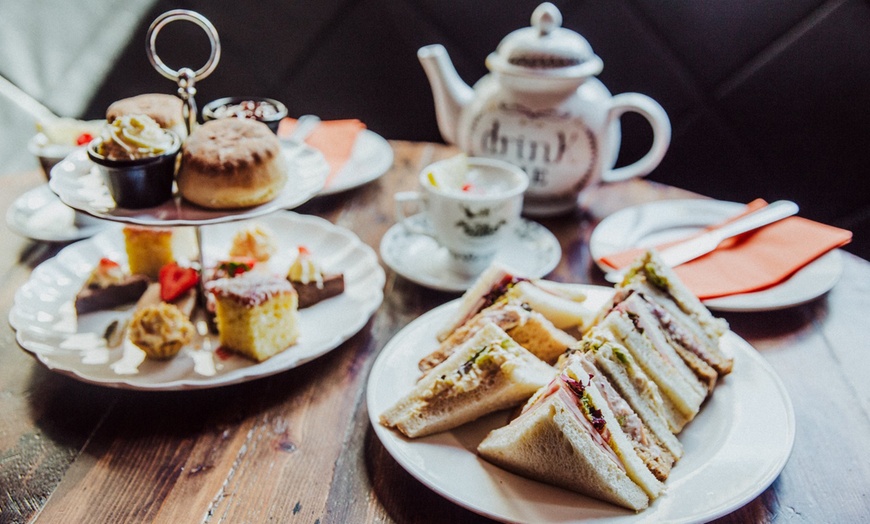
(766,99)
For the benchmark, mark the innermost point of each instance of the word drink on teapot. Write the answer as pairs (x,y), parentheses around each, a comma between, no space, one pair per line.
(541,108)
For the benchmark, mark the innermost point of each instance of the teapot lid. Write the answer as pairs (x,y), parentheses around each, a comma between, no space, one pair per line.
(545,49)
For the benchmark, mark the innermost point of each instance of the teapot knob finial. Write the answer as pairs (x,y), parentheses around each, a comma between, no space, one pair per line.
(546,18)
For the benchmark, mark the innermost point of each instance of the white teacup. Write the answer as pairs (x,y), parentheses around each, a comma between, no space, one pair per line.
(469,203)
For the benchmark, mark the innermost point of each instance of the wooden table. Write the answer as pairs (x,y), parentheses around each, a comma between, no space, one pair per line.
(298,446)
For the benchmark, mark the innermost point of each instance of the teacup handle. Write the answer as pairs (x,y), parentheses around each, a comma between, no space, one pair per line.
(661,126)
(402,200)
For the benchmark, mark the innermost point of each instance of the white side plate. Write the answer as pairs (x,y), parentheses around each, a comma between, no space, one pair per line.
(370,158)
(663,221)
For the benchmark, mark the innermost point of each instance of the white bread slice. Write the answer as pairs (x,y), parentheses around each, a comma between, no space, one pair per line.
(528,328)
(549,445)
(487,373)
(627,377)
(680,389)
(552,444)
(565,312)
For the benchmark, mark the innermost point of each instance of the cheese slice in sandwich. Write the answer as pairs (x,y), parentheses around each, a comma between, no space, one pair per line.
(569,436)
(680,312)
(526,326)
(487,373)
(616,363)
(565,308)
(638,331)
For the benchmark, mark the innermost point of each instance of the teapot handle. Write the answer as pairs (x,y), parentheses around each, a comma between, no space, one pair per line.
(661,126)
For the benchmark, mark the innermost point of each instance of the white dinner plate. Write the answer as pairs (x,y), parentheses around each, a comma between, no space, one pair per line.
(663,221)
(733,450)
(78,183)
(46,323)
(40,215)
(370,158)
(529,249)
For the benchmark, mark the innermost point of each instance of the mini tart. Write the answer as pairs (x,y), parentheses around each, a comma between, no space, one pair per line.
(231,163)
(160,330)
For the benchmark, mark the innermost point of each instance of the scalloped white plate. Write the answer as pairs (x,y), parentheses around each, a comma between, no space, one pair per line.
(734,449)
(46,323)
(78,183)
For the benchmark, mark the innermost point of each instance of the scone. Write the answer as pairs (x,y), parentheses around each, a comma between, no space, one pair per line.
(231,163)
(256,314)
(165,109)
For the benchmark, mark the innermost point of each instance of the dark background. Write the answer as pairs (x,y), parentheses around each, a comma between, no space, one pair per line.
(767,99)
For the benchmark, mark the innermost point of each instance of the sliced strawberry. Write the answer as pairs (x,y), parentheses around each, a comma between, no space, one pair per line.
(107,264)
(175,280)
(84,138)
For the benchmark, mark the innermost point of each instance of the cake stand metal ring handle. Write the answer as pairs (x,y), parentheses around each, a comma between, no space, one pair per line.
(190,16)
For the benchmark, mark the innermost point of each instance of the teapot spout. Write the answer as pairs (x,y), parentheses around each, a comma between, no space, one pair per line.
(450,92)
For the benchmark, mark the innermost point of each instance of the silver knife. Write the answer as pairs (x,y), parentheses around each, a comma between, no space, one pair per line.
(707,242)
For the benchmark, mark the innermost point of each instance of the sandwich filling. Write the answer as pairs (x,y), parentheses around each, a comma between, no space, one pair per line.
(658,460)
(479,369)
(497,291)
(573,394)
(666,329)
(646,324)
(629,381)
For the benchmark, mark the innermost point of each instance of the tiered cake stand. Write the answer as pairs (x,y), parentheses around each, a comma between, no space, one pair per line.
(48,327)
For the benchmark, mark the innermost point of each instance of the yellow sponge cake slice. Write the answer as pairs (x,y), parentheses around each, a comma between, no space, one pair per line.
(256,314)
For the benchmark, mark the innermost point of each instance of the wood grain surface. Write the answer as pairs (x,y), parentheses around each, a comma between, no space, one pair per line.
(298,446)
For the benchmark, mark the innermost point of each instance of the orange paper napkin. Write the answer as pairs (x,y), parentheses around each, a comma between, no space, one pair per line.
(752,261)
(333,138)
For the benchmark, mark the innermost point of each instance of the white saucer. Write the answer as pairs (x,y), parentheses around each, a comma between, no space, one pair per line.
(370,158)
(530,249)
(79,185)
(663,221)
(40,215)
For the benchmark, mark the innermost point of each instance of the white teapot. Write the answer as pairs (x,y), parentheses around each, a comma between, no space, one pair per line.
(542,108)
